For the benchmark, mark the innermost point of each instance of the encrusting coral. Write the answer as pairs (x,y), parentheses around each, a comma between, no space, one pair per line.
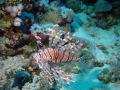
(61,49)
(8,68)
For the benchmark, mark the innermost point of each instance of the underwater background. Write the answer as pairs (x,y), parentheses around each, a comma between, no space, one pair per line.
(59,44)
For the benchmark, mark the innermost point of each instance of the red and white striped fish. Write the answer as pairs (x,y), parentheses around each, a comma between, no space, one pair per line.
(61,49)
(54,55)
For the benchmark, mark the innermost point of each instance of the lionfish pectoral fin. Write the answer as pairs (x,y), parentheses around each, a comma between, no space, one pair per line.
(72,80)
(77,59)
(58,84)
(40,64)
(60,88)
(50,82)
(67,83)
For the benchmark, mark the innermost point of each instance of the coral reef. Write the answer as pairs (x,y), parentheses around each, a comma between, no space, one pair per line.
(8,68)
(2,1)
(73,3)
(103,6)
(34,85)
(37,55)
(20,78)
(106,76)
(15,11)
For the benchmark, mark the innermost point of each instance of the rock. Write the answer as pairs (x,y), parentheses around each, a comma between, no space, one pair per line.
(102,6)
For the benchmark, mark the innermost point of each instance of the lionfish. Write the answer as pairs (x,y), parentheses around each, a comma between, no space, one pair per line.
(60,50)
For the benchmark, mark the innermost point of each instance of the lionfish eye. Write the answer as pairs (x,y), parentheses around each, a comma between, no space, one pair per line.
(40,45)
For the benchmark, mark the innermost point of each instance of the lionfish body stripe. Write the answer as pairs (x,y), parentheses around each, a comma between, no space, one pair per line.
(55,56)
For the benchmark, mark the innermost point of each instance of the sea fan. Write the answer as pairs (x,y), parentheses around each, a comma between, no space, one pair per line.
(60,50)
